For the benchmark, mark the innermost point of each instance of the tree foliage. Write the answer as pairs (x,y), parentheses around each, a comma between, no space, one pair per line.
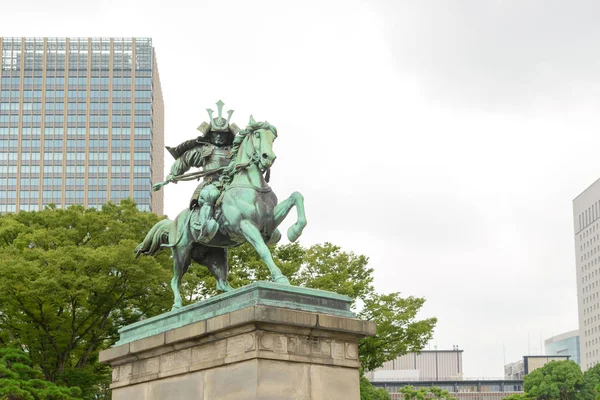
(327,267)
(19,380)
(555,380)
(517,396)
(324,267)
(69,281)
(398,329)
(433,392)
(370,392)
(591,381)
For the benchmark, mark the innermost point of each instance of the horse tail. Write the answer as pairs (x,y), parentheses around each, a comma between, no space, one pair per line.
(155,239)
(178,235)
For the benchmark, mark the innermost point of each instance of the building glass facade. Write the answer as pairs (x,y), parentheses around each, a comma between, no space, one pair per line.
(566,344)
(81,122)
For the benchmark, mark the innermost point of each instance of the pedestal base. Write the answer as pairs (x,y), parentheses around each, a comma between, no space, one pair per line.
(252,379)
(257,352)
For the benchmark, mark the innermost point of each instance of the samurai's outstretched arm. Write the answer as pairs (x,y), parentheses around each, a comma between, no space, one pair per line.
(191,158)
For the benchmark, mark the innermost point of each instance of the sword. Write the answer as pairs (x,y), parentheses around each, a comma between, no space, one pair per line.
(186,177)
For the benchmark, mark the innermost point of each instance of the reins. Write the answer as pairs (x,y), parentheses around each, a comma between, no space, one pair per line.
(238,168)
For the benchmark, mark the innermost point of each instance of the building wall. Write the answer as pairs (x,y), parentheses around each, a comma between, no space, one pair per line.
(158,139)
(468,395)
(534,362)
(461,389)
(528,364)
(586,210)
(515,370)
(564,344)
(76,122)
(427,365)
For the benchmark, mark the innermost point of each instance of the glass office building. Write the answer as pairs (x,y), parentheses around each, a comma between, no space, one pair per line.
(81,122)
(566,344)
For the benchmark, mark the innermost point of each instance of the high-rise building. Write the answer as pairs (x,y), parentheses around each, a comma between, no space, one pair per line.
(586,213)
(81,122)
(565,344)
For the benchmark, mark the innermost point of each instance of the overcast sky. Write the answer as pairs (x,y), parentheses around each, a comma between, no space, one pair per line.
(443,139)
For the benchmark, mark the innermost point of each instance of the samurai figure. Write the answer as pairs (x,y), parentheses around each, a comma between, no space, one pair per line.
(210,151)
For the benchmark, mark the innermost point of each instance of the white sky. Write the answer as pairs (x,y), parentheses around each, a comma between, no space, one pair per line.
(445,140)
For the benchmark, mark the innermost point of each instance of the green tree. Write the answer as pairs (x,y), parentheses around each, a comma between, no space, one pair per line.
(69,280)
(19,380)
(327,267)
(561,380)
(370,392)
(398,329)
(591,380)
(432,392)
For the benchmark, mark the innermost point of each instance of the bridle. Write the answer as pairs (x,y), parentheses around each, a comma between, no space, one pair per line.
(255,158)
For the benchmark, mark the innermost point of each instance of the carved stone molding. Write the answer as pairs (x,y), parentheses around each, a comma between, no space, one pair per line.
(257,344)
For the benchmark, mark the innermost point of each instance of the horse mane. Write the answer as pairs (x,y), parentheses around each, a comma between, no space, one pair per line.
(230,170)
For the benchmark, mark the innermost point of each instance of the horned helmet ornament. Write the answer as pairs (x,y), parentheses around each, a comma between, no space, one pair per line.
(218,123)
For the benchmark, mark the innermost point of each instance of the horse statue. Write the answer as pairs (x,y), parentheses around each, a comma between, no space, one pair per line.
(249,212)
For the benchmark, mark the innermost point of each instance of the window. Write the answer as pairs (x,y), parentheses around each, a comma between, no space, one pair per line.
(142,131)
(143,94)
(143,81)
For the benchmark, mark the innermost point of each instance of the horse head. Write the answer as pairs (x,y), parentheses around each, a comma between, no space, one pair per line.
(262,142)
(254,145)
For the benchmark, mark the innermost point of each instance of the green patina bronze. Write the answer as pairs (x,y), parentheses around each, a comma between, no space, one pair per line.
(254,294)
(232,205)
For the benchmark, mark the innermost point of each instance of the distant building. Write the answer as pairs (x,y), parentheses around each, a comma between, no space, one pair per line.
(467,389)
(441,368)
(81,122)
(586,219)
(566,344)
(430,365)
(515,370)
(528,364)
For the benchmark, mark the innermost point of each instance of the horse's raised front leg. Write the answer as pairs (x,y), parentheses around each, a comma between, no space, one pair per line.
(282,209)
(181,262)
(253,236)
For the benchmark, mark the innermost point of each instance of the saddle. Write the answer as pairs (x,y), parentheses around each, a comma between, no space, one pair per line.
(195,200)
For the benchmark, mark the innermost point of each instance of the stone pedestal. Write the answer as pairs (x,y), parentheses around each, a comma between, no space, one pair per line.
(262,341)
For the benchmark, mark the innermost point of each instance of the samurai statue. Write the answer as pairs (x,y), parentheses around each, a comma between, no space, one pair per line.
(210,152)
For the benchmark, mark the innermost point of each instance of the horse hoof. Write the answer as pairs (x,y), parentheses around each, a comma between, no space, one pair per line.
(175,307)
(293,233)
(224,287)
(282,280)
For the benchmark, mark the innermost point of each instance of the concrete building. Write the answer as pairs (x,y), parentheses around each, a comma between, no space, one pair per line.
(518,369)
(515,370)
(564,344)
(431,365)
(441,368)
(586,213)
(81,122)
(467,389)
